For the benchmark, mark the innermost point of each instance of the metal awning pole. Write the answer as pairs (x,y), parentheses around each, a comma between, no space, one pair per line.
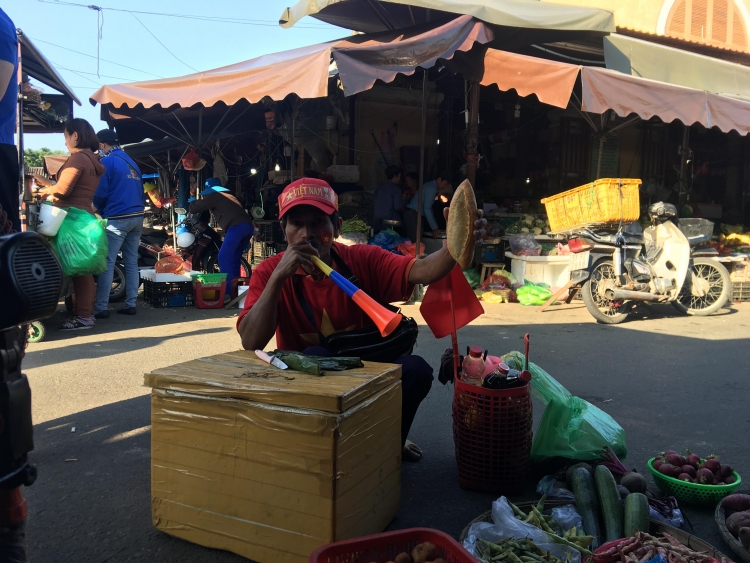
(684,156)
(599,159)
(472,138)
(420,194)
(292,159)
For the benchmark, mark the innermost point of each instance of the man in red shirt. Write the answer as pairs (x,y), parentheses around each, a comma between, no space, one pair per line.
(308,211)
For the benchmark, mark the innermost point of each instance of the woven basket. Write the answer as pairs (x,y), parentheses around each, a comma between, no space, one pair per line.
(721,516)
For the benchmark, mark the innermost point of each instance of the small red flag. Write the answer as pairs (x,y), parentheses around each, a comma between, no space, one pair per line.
(450,304)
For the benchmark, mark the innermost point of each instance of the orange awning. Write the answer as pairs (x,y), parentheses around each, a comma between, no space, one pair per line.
(552,82)
(603,90)
(302,71)
(361,60)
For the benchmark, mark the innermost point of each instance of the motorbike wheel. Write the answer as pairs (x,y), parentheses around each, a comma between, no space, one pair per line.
(117,293)
(604,310)
(36,332)
(716,284)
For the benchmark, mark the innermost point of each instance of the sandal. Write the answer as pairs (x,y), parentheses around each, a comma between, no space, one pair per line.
(75,324)
(411,452)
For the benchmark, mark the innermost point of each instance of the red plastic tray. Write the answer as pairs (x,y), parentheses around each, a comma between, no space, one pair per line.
(381,548)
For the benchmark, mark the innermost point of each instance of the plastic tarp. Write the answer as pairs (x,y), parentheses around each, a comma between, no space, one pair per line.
(360,64)
(366,15)
(675,66)
(361,60)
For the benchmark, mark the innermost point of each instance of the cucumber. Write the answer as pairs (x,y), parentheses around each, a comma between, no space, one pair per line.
(587,503)
(611,504)
(637,514)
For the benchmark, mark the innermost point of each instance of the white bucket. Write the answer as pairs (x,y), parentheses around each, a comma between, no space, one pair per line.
(241,290)
(50,219)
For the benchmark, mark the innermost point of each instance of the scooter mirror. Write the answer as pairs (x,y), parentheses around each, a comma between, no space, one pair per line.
(180,210)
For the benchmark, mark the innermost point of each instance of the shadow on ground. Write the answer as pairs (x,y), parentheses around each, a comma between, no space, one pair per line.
(667,392)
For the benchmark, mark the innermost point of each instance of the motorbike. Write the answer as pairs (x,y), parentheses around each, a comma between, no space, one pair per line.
(618,269)
(199,245)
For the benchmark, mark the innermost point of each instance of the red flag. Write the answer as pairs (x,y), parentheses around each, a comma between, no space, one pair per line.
(450,304)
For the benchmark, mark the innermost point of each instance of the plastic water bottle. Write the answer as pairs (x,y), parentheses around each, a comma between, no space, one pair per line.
(473,366)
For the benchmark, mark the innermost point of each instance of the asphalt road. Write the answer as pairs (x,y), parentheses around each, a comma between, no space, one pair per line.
(671,381)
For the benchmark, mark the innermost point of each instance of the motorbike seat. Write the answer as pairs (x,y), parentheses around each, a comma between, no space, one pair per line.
(607,236)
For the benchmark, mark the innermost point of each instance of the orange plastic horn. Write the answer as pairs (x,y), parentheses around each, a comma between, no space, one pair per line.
(385,320)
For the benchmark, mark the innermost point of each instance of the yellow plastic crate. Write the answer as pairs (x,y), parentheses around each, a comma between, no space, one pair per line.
(609,200)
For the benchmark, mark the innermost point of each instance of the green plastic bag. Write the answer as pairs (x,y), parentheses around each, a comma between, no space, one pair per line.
(472,276)
(81,243)
(533,295)
(570,427)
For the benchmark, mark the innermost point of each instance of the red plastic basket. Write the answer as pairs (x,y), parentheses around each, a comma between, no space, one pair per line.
(381,548)
(492,432)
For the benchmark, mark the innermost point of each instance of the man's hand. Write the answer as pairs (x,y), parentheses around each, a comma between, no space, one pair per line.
(298,254)
(480,226)
(435,233)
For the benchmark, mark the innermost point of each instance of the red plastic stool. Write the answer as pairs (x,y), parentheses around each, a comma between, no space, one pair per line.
(209,295)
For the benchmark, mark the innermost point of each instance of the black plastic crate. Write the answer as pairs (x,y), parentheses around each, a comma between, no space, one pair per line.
(168,294)
(741,291)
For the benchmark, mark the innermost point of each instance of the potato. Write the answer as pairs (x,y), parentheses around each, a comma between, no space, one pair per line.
(403,558)
(425,553)
(738,520)
(736,502)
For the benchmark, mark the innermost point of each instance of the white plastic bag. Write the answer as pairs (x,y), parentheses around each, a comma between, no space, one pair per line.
(505,526)
(566,517)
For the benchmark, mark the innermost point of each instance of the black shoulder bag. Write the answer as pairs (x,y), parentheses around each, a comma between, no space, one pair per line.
(366,342)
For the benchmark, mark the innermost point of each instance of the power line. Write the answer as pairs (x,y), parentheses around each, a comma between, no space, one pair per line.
(162,44)
(217,19)
(93,57)
(92,73)
(82,76)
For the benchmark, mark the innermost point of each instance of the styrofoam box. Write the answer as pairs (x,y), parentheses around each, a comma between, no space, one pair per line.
(344,173)
(154,277)
(552,270)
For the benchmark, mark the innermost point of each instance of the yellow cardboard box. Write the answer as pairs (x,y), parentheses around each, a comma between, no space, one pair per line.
(272,464)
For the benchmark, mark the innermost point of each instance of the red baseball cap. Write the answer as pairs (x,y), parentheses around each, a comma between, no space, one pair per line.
(308,191)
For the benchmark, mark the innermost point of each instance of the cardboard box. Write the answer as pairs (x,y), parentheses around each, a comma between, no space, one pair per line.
(272,464)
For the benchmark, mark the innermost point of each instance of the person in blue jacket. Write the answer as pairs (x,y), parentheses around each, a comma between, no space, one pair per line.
(119,199)
(430,190)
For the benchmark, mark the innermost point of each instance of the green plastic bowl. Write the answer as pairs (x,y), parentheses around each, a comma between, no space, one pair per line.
(692,493)
(209,279)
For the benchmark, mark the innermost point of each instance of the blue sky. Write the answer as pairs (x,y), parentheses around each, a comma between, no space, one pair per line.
(200,44)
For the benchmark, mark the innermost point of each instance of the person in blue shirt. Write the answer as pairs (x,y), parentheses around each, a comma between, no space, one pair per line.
(388,202)
(9,189)
(119,199)
(430,190)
